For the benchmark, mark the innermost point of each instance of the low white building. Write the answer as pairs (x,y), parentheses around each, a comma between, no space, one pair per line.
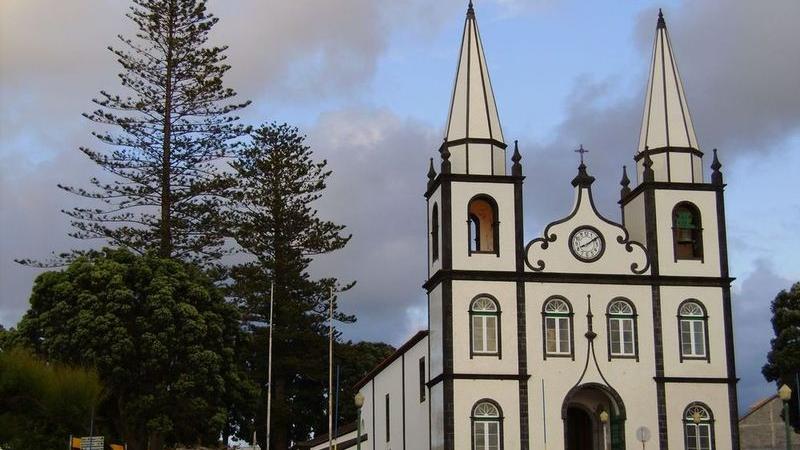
(585,337)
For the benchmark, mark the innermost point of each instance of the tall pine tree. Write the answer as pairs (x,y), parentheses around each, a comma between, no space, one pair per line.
(274,221)
(171,127)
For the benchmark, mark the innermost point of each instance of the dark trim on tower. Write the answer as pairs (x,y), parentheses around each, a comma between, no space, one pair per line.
(450,177)
(666,186)
(448,410)
(652,247)
(655,151)
(733,401)
(522,333)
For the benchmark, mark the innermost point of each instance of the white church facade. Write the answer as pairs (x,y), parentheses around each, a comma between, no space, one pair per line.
(589,336)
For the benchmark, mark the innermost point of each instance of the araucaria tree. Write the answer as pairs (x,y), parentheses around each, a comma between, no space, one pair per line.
(274,221)
(783,360)
(169,130)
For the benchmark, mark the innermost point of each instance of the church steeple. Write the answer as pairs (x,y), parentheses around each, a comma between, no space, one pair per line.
(473,134)
(667,127)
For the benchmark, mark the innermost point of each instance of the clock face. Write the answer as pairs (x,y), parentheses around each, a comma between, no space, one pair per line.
(587,244)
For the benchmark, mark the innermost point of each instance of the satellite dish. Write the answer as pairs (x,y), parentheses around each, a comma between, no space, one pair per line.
(643,434)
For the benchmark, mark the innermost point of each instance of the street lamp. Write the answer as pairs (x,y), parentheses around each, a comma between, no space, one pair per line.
(785,394)
(359,401)
(604,420)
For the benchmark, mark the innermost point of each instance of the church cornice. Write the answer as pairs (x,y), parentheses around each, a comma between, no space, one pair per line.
(462,177)
(670,186)
(656,151)
(577,278)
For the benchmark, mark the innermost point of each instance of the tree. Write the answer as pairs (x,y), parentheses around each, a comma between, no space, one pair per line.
(174,123)
(160,334)
(783,360)
(273,220)
(356,360)
(42,404)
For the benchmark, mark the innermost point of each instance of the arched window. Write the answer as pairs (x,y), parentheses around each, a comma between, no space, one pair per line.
(693,327)
(482,225)
(687,232)
(557,327)
(698,426)
(487,426)
(622,332)
(484,314)
(435,233)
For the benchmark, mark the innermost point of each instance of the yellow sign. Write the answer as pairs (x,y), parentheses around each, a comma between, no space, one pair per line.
(117,447)
(76,443)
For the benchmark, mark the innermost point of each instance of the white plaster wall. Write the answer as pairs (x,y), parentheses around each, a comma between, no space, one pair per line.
(367,414)
(697,167)
(499,156)
(480,159)
(631,379)
(389,381)
(436,362)
(506,295)
(503,194)
(468,392)
(435,199)
(437,416)
(706,202)
(680,167)
(558,258)
(458,159)
(634,219)
(416,435)
(711,298)
(679,396)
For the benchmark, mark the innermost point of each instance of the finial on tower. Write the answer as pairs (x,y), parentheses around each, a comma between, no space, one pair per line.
(661,22)
(716,175)
(625,183)
(431,175)
(583,179)
(445,158)
(470,9)
(648,175)
(516,168)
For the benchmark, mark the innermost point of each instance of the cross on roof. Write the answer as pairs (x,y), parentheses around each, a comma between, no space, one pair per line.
(581,151)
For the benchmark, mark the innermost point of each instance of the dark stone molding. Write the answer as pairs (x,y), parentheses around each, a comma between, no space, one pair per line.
(471,178)
(669,186)
(477,376)
(690,380)
(472,140)
(581,278)
(656,151)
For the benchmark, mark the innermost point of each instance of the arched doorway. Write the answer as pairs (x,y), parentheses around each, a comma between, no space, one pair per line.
(581,413)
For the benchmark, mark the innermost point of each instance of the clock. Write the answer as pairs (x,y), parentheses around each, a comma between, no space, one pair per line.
(587,244)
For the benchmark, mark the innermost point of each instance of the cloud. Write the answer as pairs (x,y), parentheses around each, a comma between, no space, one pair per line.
(379,163)
(740,72)
(753,330)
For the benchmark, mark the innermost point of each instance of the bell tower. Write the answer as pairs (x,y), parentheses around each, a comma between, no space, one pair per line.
(681,219)
(475,231)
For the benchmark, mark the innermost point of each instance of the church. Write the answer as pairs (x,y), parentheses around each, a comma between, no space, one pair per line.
(597,334)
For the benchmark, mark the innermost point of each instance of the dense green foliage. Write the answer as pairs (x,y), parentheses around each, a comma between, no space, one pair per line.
(172,124)
(276,225)
(42,404)
(783,360)
(161,336)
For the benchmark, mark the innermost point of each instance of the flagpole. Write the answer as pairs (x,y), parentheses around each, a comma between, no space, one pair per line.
(269,365)
(330,373)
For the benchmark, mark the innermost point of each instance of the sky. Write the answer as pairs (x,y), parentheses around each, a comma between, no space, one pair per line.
(369,82)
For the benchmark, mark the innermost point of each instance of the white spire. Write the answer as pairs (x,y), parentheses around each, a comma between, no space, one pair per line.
(473,124)
(666,121)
